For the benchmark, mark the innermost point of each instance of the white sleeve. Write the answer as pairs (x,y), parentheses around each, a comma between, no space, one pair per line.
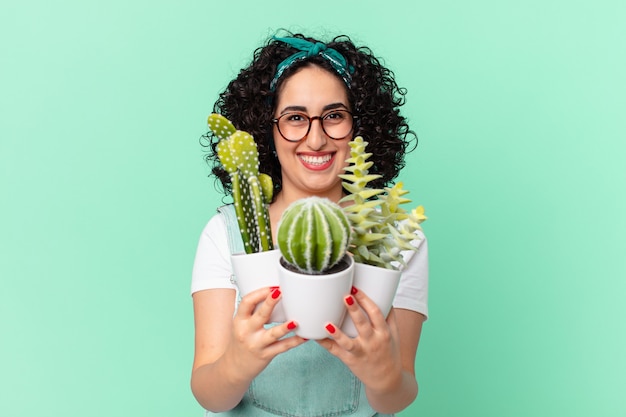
(412,291)
(212,268)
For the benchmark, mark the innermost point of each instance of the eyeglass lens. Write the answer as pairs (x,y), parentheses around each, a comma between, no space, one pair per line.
(294,126)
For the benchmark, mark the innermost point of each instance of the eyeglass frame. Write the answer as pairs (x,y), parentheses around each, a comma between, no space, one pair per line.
(310,119)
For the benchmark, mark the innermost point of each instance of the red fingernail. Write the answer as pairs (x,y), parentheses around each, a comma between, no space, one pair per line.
(291,325)
(349,300)
(330,328)
(353,290)
(275,287)
(276,293)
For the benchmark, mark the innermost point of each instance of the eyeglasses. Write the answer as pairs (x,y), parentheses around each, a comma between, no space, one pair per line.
(295,126)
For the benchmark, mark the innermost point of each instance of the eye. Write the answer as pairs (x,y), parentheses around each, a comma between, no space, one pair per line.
(336,116)
(295,118)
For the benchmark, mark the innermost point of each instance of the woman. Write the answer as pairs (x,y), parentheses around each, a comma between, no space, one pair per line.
(303,101)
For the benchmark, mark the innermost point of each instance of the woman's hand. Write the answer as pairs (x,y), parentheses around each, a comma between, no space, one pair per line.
(253,346)
(232,350)
(374,355)
(382,356)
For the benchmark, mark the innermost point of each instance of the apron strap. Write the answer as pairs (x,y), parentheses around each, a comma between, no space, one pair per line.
(235,244)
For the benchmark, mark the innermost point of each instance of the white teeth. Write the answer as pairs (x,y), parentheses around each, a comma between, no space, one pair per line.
(315,160)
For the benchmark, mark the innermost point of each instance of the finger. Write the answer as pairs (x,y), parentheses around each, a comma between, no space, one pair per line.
(250,301)
(359,317)
(284,345)
(371,309)
(264,310)
(342,340)
(280,331)
(331,346)
(278,335)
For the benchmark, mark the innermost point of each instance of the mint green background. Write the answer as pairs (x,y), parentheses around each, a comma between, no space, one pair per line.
(519,107)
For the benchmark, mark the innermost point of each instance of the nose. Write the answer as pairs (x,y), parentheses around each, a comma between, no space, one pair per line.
(316,139)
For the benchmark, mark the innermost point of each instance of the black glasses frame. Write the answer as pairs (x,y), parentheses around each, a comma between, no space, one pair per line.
(310,119)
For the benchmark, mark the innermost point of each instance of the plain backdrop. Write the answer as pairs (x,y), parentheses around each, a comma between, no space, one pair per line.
(519,108)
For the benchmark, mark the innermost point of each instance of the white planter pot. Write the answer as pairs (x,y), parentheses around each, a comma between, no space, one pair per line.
(256,270)
(313,301)
(379,284)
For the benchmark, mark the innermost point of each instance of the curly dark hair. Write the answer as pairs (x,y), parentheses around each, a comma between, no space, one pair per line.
(374,97)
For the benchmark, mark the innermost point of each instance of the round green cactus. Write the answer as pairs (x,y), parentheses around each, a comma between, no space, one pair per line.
(313,235)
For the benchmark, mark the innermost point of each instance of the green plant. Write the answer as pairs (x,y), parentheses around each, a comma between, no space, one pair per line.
(313,235)
(252,192)
(381,229)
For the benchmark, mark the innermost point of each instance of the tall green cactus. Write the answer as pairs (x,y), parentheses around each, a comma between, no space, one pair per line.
(313,235)
(381,228)
(252,192)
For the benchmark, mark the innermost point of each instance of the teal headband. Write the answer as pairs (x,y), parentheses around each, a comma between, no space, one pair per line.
(309,49)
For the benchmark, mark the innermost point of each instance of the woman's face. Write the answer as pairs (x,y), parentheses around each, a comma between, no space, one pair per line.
(312,165)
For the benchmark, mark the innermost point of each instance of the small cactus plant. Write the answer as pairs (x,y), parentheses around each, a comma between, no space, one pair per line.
(381,228)
(313,235)
(252,192)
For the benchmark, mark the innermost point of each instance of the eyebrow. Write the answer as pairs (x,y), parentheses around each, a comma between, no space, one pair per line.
(303,109)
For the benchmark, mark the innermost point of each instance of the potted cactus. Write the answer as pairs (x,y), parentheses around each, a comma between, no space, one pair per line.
(382,230)
(257,265)
(315,272)
(252,191)
(313,235)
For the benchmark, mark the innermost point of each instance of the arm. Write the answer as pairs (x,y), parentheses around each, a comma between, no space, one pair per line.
(231,351)
(409,325)
(383,355)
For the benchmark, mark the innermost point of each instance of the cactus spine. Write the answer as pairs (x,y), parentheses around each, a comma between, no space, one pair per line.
(252,192)
(313,234)
(381,228)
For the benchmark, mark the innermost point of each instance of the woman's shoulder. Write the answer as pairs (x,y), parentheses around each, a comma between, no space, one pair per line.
(215,230)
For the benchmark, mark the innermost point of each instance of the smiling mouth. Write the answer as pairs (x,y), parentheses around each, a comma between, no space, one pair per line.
(316,160)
